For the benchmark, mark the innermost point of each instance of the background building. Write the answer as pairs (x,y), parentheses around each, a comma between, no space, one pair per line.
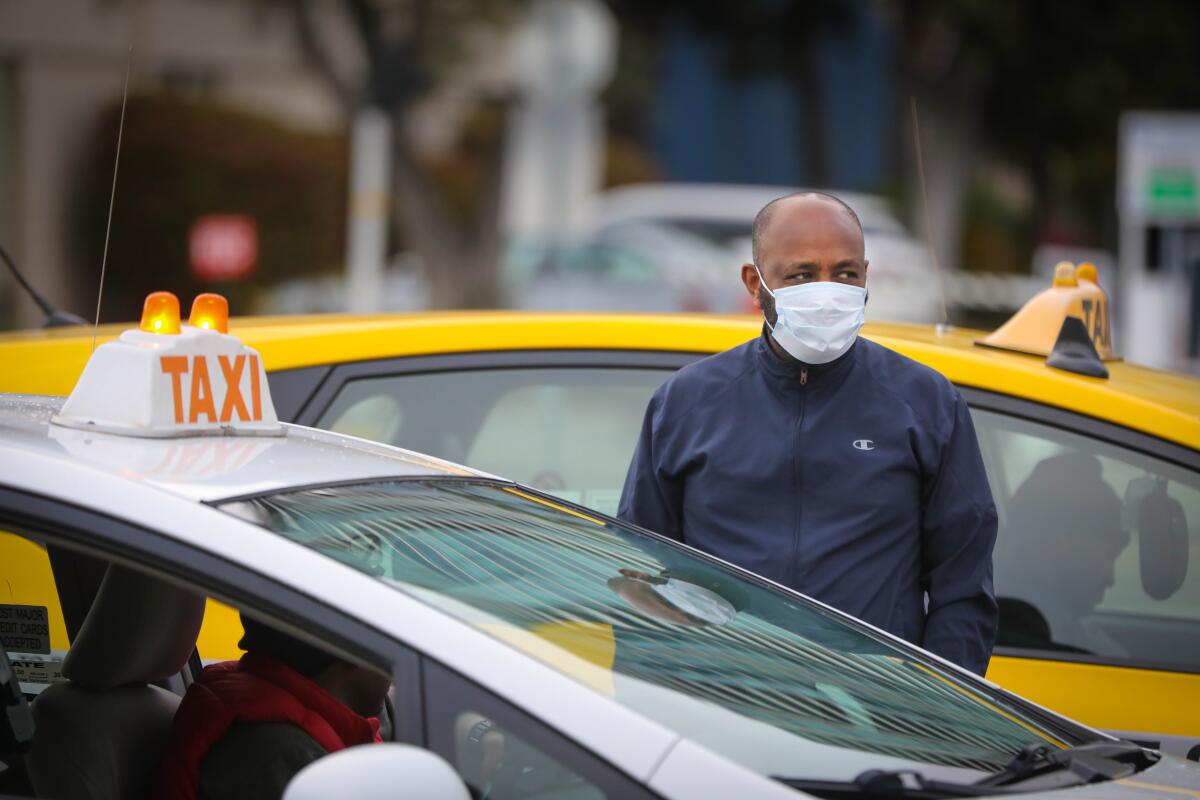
(395,155)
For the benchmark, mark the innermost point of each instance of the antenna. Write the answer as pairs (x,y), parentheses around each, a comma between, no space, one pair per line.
(54,316)
(113,194)
(944,325)
(46,308)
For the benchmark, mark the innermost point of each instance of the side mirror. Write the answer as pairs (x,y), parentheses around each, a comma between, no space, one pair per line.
(378,771)
(1162,536)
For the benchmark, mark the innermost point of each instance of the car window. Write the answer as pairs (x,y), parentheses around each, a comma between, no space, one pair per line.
(758,674)
(31,609)
(503,754)
(1098,551)
(32,628)
(37,611)
(567,431)
(26,577)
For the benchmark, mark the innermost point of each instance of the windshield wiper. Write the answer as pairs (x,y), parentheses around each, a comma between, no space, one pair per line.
(878,783)
(1086,763)
(1038,763)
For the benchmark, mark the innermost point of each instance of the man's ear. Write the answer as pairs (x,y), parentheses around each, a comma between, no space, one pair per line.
(751,281)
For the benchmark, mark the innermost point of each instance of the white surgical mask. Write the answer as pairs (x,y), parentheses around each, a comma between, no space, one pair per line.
(817,322)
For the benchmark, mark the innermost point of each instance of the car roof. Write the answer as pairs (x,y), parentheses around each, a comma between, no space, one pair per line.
(156,483)
(210,468)
(1161,404)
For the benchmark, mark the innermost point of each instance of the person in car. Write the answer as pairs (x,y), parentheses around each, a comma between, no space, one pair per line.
(824,461)
(1063,535)
(246,727)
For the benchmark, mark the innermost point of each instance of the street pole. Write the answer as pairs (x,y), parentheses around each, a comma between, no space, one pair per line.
(367,228)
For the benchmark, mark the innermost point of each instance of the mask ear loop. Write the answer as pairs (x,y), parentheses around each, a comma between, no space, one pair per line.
(763,284)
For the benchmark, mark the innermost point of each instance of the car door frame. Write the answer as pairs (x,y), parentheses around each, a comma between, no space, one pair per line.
(1098,430)
(415,675)
(1081,424)
(82,530)
(325,383)
(1132,441)
(319,386)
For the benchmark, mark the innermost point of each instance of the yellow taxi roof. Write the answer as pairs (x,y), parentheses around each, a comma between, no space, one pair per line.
(1159,403)
(1163,404)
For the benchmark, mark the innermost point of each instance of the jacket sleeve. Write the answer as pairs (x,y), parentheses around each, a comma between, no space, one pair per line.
(653,496)
(958,532)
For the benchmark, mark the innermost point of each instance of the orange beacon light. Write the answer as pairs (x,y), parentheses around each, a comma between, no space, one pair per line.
(210,311)
(160,313)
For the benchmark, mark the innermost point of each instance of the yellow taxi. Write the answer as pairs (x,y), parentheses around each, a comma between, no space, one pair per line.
(1096,476)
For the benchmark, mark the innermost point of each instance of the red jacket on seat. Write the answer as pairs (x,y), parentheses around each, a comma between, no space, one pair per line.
(254,689)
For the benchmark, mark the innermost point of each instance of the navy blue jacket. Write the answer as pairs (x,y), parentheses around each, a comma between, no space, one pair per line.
(857,482)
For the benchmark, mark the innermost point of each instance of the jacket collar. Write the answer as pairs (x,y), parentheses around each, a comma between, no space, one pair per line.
(786,368)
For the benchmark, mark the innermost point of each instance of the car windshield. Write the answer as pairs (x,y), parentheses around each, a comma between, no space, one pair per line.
(758,674)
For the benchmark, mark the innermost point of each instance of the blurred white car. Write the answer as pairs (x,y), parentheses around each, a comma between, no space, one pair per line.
(660,247)
(901,277)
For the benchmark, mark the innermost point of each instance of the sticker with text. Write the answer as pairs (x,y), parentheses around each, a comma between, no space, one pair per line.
(25,629)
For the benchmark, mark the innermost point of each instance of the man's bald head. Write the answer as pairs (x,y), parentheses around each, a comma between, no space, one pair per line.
(806,237)
(817,207)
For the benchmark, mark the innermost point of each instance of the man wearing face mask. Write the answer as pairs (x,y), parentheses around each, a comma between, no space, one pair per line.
(824,461)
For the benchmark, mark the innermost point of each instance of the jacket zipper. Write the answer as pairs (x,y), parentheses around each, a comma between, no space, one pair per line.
(797,572)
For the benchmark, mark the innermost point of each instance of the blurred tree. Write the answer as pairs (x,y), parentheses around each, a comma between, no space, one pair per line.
(627,100)
(184,158)
(761,38)
(447,209)
(1042,85)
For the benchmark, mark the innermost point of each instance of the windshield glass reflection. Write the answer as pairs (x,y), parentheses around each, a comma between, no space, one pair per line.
(760,675)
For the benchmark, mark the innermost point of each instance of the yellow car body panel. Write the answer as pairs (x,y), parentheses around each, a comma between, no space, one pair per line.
(28,581)
(220,633)
(1152,402)
(1166,703)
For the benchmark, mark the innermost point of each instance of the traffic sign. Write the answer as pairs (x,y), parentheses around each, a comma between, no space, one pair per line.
(223,247)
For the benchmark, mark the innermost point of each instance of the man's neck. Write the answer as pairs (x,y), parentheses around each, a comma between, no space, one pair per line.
(779,352)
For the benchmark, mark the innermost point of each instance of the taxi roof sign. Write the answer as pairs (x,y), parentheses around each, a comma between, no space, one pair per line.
(1036,327)
(196,382)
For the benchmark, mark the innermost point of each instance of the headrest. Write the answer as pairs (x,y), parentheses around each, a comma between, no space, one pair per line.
(139,629)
